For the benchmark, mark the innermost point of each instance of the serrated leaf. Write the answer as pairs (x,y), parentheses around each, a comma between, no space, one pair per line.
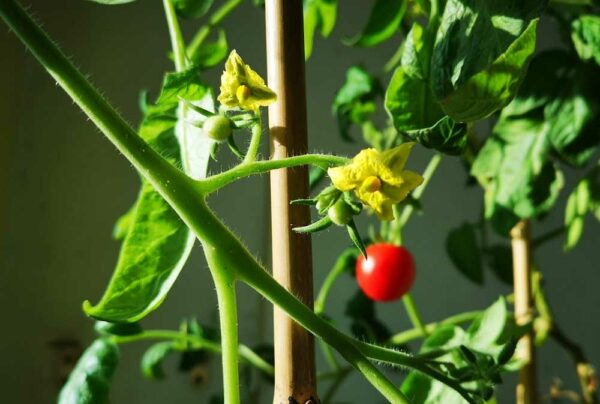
(481,54)
(383,22)
(158,243)
(89,382)
(411,104)
(464,251)
(152,361)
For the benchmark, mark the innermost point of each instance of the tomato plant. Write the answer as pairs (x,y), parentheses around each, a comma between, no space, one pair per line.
(387,273)
(461,66)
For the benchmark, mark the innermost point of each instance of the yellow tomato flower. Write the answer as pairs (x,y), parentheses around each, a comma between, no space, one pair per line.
(242,87)
(378,179)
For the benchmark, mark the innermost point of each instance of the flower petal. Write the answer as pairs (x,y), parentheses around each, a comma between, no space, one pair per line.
(396,158)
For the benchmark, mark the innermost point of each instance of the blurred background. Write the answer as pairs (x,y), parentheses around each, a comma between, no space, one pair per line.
(62,185)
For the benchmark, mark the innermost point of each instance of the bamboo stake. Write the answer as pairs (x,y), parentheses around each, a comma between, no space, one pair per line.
(521,249)
(295,380)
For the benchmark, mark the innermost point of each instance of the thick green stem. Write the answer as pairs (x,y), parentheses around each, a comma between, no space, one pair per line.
(254,146)
(218,181)
(225,285)
(416,333)
(427,175)
(177,43)
(215,19)
(413,314)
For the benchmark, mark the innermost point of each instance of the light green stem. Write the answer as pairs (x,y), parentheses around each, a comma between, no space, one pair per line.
(177,43)
(416,333)
(218,181)
(254,146)
(225,285)
(413,314)
(427,175)
(198,342)
(215,19)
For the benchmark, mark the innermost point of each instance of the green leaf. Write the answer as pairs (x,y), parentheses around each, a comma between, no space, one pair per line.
(486,331)
(464,251)
(192,8)
(123,224)
(318,14)
(585,33)
(411,104)
(384,20)
(89,382)
(513,167)
(354,101)
(212,53)
(152,361)
(481,54)
(584,198)
(499,259)
(422,389)
(121,329)
(158,243)
(365,324)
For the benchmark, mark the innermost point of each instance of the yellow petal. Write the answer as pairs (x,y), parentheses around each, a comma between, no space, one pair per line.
(345,178)
(378,202)
(398,193)
(395,159)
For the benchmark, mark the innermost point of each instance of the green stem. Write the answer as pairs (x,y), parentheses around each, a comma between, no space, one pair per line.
(338,269)
(225,285)
(215,19)
(218,181)
(254,146)
(413,314)
(177,43)
(427,174)
(198,342)
(416,333)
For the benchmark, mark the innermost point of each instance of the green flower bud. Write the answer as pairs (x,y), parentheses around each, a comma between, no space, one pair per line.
(340,213)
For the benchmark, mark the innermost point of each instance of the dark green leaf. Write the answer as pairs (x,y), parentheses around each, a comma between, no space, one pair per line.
(481,54)
(158,243)
(192,8)
(499,259)
(585,34)
(152,361)
(106,328)
(89,382)
(318,14)
(464,251)
(354,101)
(508,351)
(411,104)
(212,53)
(365,324)
(384,20)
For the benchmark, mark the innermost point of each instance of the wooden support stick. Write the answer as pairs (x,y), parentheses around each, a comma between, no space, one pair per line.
(295,380)
(521,249)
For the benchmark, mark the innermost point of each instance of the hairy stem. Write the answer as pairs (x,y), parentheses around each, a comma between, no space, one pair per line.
(218,181)
(177,43)
(252,151)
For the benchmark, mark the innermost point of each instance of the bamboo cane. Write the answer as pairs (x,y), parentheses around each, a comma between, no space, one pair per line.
(295,380)
(521,249)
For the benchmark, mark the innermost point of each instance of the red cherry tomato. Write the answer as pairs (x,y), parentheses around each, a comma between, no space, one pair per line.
(387,274)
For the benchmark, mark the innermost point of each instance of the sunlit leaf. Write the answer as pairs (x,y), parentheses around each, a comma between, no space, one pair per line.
(384,20)
(318,14)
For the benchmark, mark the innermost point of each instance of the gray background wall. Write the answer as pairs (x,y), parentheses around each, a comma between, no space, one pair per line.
(62,185)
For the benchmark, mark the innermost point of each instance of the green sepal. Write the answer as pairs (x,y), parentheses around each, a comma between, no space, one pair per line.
(355,237)
(119,329)
(319,225)
(234,148)
(152,361)
(309,202)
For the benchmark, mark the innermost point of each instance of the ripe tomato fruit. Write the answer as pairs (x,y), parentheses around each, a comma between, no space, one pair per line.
(387,274)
